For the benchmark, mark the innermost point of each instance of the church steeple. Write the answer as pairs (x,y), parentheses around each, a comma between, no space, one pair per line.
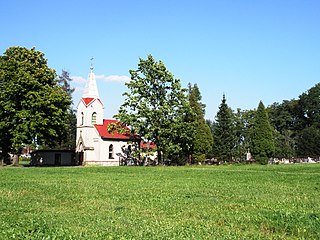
(91,90)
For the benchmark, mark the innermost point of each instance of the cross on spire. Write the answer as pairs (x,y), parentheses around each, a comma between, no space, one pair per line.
(91,66)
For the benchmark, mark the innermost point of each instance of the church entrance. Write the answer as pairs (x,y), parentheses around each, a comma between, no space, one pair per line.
(80,158)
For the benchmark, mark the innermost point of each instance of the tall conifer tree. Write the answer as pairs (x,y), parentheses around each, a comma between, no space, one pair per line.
(203,138)
(69,141)
(224,136)
(262,140)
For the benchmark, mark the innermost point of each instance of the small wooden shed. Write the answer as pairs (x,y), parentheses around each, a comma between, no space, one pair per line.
(53,158)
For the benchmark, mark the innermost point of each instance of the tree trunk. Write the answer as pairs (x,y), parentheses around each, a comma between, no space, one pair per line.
(189,159)
(15,161)
(159,157)
(6,159)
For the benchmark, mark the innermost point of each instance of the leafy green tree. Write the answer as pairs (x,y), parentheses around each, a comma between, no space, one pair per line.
(309,108)
(308,123)
(284,144)
(241,145)
(308,141)
(224,136)
(283,118)
(247,119)
(33,107)
(296,123)
(262,140)
(157,108)
(203,138)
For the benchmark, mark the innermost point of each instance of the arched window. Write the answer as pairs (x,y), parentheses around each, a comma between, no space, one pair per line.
(111,151)
(94,118)
(82,118)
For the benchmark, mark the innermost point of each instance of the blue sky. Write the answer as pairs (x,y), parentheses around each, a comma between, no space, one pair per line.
(251,50)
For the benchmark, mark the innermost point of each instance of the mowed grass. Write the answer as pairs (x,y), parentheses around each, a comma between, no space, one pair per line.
(200,202)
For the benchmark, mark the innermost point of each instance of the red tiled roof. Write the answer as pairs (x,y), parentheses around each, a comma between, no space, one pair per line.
(88,101)
(104,133)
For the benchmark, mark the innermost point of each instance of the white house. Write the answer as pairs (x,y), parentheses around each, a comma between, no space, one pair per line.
(94,144)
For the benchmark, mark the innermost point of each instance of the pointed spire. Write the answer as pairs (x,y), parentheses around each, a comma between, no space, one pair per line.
(91,90)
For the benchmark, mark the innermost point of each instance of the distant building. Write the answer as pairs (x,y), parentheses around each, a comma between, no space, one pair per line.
(53,158)
(94,143)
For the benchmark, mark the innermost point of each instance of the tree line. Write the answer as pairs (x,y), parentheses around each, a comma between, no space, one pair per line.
(36,109)
(172,117)
(290,129)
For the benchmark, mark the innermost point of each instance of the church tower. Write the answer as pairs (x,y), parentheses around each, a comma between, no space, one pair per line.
(89,112)
(95,145)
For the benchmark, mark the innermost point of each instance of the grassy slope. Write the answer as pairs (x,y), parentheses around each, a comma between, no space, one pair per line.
(225,202)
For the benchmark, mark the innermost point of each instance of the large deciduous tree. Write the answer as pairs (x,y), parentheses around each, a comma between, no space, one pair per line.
(224,136)
(33,106)
(203,138)
(308,123)
(156,107)
(283,119)
(242,126)
(309,108)
(308,142)
(262,140)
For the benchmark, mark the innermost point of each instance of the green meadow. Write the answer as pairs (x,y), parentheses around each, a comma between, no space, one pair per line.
(195,202)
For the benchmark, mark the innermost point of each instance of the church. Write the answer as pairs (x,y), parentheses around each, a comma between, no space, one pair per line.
(94,143)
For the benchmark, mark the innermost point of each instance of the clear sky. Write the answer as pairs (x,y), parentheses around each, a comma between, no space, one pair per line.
(251,50)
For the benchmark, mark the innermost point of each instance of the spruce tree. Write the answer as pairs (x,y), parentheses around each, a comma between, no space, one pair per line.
(224,137)
(69,141)
(203,138)
(262,140)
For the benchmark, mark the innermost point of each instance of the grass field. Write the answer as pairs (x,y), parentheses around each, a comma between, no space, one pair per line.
(202,202)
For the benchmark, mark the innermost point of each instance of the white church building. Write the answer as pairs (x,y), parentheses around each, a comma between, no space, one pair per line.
(94,143)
